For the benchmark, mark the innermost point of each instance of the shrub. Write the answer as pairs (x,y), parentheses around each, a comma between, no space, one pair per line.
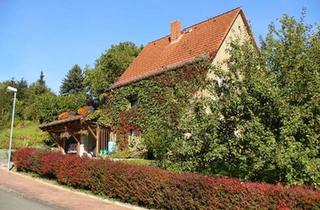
(23,158)
(49,163)
(156,188)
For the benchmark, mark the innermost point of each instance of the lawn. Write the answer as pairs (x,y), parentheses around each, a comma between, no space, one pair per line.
(26,133)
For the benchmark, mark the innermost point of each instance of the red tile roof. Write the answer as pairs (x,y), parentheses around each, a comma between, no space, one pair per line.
(161,55)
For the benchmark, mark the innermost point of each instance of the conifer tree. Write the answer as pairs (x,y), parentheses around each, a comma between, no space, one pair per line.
(73,83)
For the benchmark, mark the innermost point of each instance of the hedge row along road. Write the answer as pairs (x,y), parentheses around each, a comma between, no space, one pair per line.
(156,188)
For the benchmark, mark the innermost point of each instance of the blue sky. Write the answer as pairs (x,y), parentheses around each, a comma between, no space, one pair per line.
(54,35)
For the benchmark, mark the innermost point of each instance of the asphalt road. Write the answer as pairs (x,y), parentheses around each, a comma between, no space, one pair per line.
(12,201)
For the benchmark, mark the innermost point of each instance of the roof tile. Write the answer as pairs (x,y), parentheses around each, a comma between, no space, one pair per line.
(203,38)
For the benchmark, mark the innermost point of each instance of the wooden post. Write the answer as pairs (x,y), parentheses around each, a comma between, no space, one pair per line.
(97,140)
(78,148)
(64,146)
(108,139)
(60,148)
(78,144)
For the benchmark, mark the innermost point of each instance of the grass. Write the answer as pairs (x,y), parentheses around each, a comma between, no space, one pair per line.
(3,154)
(139,162)
(25,133)
(126,156)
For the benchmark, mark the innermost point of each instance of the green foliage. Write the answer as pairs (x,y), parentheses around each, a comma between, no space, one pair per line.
(264,122)
(35,103)
(47,107)
(74,82)
(259,120)
(162,101)
(25,96)
(39,87)
(26,134)
(110,66)
(139,162)
(5,103)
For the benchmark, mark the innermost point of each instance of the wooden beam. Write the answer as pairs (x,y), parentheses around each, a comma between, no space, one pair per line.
(58,141)
(78,143)
(92,133)
(75,137)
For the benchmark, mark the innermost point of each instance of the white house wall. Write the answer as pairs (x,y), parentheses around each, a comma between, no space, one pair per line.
(237,31)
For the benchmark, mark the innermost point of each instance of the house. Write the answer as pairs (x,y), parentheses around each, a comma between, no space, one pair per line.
(210,38)
(181,49)
(182,46)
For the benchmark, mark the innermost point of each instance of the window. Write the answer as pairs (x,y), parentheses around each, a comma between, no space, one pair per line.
(134,102)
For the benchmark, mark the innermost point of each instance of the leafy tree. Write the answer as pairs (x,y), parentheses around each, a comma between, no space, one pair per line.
(39,87)
(48,106)
(74,81)
(7,99)
(22,86)
(5,102)
(264,122)
(292,55)
(110,66)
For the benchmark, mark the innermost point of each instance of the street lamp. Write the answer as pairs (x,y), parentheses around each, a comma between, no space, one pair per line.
(14,90)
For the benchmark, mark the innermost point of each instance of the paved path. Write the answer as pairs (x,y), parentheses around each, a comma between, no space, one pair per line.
(54,195)
(3,163)
(10,200)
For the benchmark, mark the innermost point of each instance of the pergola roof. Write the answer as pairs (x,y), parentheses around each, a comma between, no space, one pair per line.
(44,126)
(72,124)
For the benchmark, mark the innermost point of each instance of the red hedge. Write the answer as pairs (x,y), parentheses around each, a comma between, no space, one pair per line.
(156,188)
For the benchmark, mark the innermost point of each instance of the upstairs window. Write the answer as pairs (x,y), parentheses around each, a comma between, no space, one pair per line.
(134,102)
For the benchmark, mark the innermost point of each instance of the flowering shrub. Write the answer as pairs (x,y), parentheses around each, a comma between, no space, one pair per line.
(85,110)
(63,116)
(156,188)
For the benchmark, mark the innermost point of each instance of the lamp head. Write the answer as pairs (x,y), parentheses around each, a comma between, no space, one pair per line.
(12,89)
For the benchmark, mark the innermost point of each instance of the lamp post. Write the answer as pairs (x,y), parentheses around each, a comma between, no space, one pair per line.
(14,90)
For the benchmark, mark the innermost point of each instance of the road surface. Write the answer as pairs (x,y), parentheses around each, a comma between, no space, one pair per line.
(11,200)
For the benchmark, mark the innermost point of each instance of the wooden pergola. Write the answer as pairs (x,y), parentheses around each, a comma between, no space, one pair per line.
(60,130)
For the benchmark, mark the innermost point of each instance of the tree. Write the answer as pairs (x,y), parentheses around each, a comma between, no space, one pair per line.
(22,87)
(110,66)
(74,81)
(6,98)
(5,102)
(48,106)
(264,123)
(39,87)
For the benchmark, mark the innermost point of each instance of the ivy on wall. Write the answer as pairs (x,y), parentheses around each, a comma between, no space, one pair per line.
(163,101)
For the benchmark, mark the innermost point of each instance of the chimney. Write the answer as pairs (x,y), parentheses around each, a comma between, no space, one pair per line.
(175,30)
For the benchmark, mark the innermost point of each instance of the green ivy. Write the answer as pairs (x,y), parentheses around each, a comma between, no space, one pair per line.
(163,101)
